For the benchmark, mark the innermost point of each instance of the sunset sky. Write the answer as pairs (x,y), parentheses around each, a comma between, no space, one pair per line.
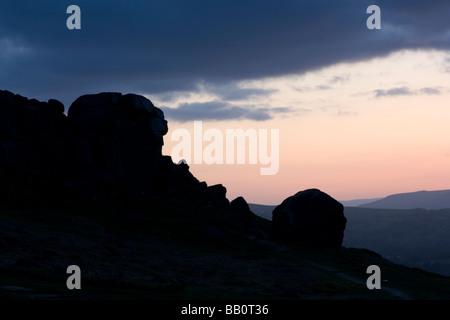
(356,130)
(360,113)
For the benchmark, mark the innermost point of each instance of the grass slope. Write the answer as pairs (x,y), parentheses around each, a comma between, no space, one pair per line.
(166,249)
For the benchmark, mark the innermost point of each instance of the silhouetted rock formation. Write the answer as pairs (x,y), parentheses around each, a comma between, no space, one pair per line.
(242,211)
(33,139)
(117,139)
(108,146)
(311,218)
(240,205)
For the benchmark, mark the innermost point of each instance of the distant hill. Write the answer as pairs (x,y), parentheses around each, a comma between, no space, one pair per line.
(261,210)
(358,202)
(414,237)
(422,199)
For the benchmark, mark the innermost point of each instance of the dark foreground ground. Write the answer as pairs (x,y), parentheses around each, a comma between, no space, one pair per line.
(174,251)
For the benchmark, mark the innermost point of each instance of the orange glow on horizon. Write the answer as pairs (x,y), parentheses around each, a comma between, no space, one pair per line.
(357,139)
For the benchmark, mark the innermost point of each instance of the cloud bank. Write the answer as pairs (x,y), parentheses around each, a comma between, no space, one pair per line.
(405,91)
(158,47)
(219,110)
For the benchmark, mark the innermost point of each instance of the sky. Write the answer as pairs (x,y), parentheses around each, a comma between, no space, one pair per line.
(357,112)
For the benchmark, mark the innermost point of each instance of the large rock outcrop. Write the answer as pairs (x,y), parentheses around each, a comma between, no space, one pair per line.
(108,146)
(117,138)
(310,217)
(33,138)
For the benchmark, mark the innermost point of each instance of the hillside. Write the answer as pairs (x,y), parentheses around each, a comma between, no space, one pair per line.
(262,210)
(421,199)
(358,202)
(416,238)
(180,251)
(93,189)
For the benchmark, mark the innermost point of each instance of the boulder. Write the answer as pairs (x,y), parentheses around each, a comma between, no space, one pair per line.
(242,213)
(32,136)
(135,103)
(310,217)
(217,195)
(6,98)
(240,205)
(55,105)
(120,140)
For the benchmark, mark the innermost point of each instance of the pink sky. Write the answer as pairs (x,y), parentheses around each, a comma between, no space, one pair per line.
(361,130)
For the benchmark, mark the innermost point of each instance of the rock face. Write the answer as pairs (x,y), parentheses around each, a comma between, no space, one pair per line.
(242,211)
(310,218)
(108,146)
(240,205)
(118,137)
(32,138)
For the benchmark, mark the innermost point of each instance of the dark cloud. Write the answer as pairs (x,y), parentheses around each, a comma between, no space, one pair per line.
(225,92)
(339,79)
(220,110)
(232,91)
(430,91)
(323,87)
(446,66)
(285,110)
(405,91)
(163,46)
(302,89)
